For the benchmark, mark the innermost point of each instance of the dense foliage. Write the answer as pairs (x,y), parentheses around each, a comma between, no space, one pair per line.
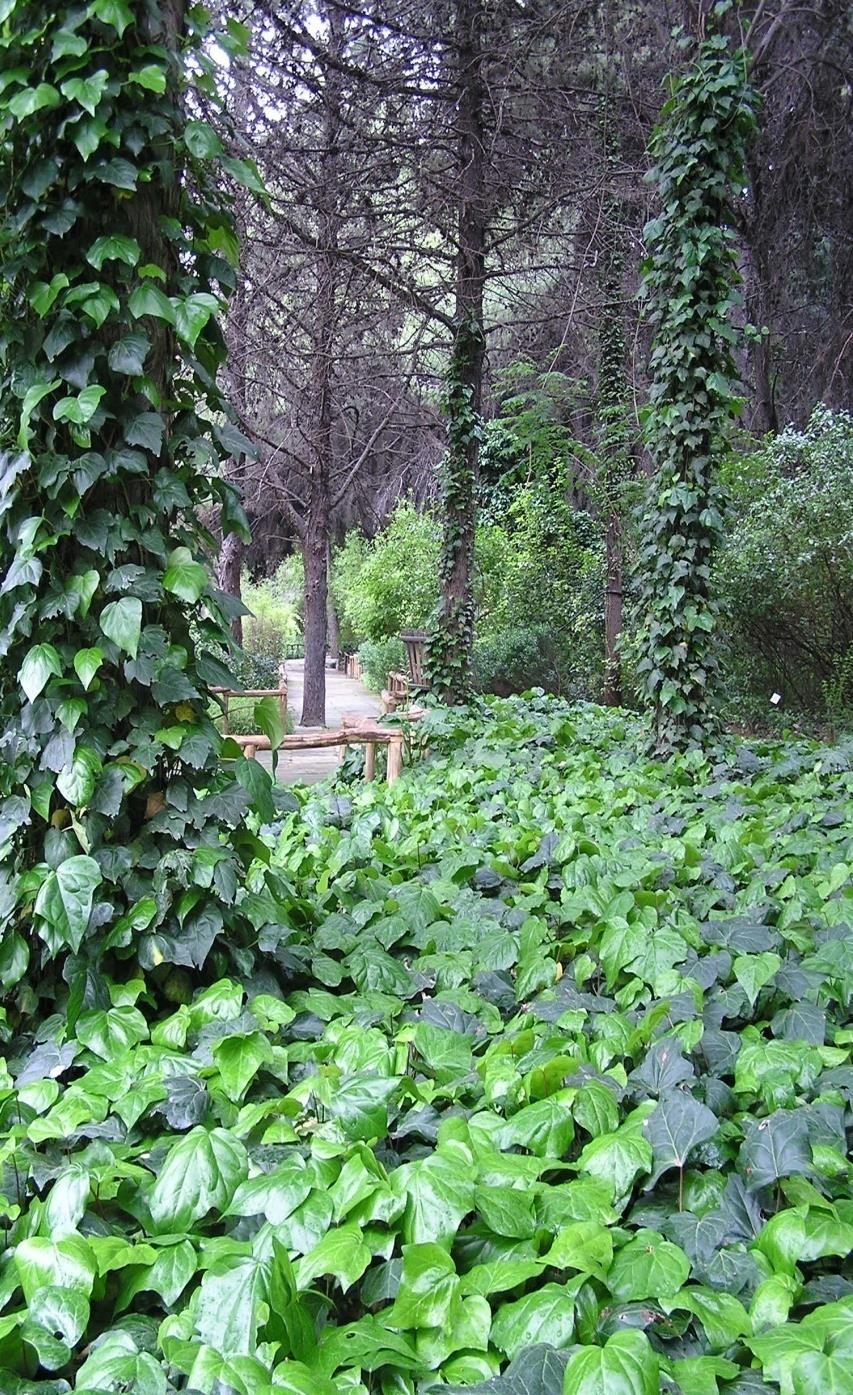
(699,150)
(555,1100)
(273,625)
(119,831)
(785,570)
(538,587)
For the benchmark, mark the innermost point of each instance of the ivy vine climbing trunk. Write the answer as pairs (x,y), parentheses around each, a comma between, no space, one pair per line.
(229,572)
(698,148)
(449,650)
(120,831)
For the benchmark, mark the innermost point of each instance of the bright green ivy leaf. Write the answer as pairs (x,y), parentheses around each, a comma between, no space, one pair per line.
(113,247)
(87,91)
(626,1365)
(202,1171)
(184,577)
(121,621)
(65,898)
(40,663)
(86,665)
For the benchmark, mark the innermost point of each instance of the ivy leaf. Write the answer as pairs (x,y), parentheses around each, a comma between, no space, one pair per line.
(32,398)
(67,45)
(245,172)
(148,299)
(98,306)
(626,1365)
(76,782)
(184,577)
(201,140)
(268,719)
(62,1310)
(113,247)
(115,13)
(429,1288)
(87,91)
(775,1147)
(86,665)
(33,99)
(40,663)
(647,1267)
(65,898)
(66,1264)
(87,135)
(201,1172)
(121,621)
(146,430)
(678,1125)
(128,354)
(81,408)
(341,1252)
(239,1058)
(120,173)
(152,77)
(547,1315)
(229,1304)
(830,1373)
(616,1157)
(42,294)
(192,315)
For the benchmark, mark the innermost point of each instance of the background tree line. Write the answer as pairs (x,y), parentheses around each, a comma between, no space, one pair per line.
(434,169)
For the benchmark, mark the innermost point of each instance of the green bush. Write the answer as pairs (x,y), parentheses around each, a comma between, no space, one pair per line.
(785,572)
(274,622)
(378,657)
(390,584)
(517,659)
(541,576)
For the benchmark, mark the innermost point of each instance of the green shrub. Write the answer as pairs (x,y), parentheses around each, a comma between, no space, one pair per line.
(390,584)
(378,657)
(515,660)
(274,622)
(785,572)
(541,573)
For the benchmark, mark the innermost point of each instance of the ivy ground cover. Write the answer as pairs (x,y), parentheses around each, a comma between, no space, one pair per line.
(542,1087)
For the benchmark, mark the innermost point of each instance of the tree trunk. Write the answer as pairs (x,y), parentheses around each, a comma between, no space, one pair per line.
(333,629)
(613,611)
(451,645)
(316,536)
(229,576)
(314,619)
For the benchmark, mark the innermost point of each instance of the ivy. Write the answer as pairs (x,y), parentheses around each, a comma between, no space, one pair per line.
(452,637)
(120,830)
(690,287)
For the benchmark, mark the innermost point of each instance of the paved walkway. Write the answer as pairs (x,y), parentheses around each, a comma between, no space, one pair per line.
(345,697)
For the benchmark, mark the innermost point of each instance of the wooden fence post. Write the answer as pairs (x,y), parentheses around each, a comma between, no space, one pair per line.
(395,757)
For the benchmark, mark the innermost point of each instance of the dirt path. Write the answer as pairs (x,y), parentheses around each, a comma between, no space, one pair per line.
(345,697)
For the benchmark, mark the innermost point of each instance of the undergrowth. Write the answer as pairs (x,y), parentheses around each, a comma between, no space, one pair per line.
(544,1087)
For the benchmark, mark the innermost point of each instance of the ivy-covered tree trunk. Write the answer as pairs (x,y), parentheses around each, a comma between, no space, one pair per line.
(119,830)
(689,285)
(449,650)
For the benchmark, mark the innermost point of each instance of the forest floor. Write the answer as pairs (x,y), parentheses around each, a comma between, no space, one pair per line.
(345,698)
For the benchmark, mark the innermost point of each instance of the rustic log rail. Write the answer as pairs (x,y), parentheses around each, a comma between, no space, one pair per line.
(355,733)
(226,694)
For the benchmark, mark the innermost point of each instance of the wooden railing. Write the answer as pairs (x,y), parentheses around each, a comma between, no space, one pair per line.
(226,694)
(368,735)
